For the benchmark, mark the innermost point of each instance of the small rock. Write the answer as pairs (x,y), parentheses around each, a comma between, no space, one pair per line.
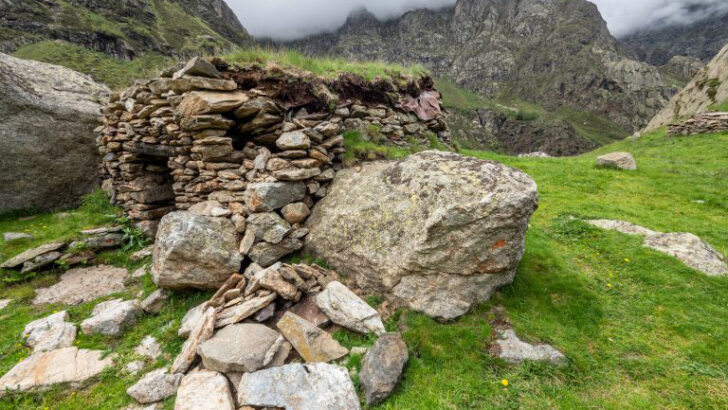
(106,241)
(621,160)
(4,303)
(155,301)
(293,140)
(269,196)
(312,343)
(50,333)
(190,319)
(204,390)
(317,386)
(149,348)
(513,350)
(134,367)
(308,310)
(621,226)
(296,212)
(201,331)
(240,348)
(140,272)
(268,227)
(142,253)
(348,310)
(102,231)
(14,236)
(359,350)
(266,254)
(265,313)
(197,67)
(382,367)
(209,208)
(76,258)
(40,261)
(155,386)
(238,313)
(82,285)
(109,318)
(31,254)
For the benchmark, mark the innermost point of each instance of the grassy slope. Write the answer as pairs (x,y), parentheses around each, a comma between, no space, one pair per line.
(640,329)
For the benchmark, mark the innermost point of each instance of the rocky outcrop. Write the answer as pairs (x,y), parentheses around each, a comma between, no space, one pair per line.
(554,53)
(709,122)
(81,285)
(708,87)
(437,231)
(681,69)
(48,116)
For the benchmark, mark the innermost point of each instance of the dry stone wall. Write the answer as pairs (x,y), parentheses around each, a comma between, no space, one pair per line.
(257,145)
(703,123)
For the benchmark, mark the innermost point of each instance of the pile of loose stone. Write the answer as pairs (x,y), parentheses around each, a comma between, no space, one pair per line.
(230,134)
(703,123)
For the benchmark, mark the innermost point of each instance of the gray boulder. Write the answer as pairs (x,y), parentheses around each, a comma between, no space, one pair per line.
(437,231)
(48,113)
(193,251)
(382,367)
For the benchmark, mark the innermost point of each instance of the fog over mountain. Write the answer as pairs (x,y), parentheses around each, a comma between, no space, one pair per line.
(290,19)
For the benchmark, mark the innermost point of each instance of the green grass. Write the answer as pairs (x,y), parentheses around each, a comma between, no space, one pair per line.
(102,67)
(640,329)
(591,126)
(324,66)
(719,106)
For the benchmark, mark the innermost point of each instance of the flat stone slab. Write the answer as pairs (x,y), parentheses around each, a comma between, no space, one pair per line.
(315,386)
(40,371)
(111,317)
(204,390)
(82,285)
(312,343)
(509,347)
(347,309)
(240,348)
(31,254)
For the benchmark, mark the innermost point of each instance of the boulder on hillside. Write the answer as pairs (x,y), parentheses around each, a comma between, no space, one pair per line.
(437,231)
(620,160)
(193,251)
(48,116)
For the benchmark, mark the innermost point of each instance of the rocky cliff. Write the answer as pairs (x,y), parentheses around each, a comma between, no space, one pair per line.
(701,39)
(551,52)
(123,28)
(709,87)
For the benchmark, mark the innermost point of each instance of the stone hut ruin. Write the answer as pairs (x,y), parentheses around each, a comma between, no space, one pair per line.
(248,143)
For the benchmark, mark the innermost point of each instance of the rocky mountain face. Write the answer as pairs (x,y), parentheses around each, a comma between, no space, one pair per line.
(554,53)
(123,28)
(657,45)
(709,87)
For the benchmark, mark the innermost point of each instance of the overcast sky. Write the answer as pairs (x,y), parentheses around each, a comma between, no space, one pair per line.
(287,19)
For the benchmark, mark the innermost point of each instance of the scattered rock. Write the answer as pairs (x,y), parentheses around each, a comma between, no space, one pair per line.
(202,330)
(14,236)
(50,333)
(348,310)
(437,231)
(149,348)
(382,367)
(142,253)
(312,343)
(209,208)
(31,254)
(40,261)
(204,390)
(134,367)
(621,226)
(621,160)
(154,303)
(238,313)
(240,348)
(139,273)
(80,285)
(4,303)
(110,317)
(77,258)
(265,313)
(513,350)
(537,154)
(42,370)
(317,386)
(691,250)
(194,251)
(155,386)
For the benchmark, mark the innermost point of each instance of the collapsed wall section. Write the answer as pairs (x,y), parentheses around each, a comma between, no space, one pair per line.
(257,145)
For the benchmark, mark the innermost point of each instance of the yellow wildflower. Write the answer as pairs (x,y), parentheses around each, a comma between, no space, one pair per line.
(504,382)
(626,260)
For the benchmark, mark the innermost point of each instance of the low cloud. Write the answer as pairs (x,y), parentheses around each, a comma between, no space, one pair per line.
(290,19)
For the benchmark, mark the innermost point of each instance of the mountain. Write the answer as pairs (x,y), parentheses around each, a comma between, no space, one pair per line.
(707,91)
(124,29)
(554,53)
(701,39)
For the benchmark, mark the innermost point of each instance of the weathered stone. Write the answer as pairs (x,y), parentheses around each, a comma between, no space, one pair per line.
(272,280)
(213,151)
(199,67)
(621,160)
(209,208)
(50,333)
(691,250)
(268,227)
(266,254)
(513,350)
(240,348)
(621,226)
(81,285)
(48,161)
(202,330)
(76,258)
(154,303)
(312,343)
(293,140)
(42,370)
(4,303)
(204,390)
(296,212)
(14,236)
(142,253)
(40,261)
(238,313)
(269,196)
(194,251)
(296,174)
(109,318)
(134,367)
(190,319)
(436,231)
(308,310)
(31,254)
(382,367)
(149,348)
(348,310)
(190,83)
(316,386)
(155,386)
(265,313)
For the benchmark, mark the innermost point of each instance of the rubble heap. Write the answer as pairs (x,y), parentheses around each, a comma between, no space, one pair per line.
(704,123)
(253,139)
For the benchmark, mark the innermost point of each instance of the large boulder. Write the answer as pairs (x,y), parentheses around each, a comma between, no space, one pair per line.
(437,231)
(49,157)
(193,251)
